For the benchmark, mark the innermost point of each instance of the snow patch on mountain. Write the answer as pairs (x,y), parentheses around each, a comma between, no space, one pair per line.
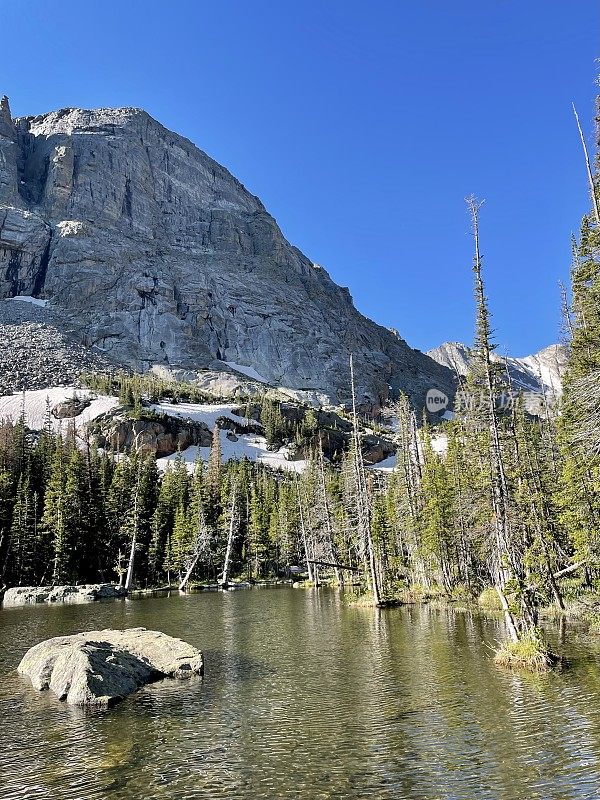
(35,301)
(33,405)
(252,447)
(250,372)
(199,412)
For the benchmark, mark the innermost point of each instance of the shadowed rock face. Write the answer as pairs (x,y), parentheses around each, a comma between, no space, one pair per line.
(99,668)
(162,435)
(159,255)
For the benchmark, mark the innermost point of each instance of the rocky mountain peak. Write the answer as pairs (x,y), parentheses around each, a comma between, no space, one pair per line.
(5,115)
(153,253)
(540,373)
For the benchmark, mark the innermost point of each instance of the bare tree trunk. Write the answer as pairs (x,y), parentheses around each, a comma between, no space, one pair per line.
(327,517)
(312,544)
(588,167)
(500,493)
(569,570)
(307,555)
(129,576)
(188,574)
(136,522)
(411,462)
(363,501)
(199,545)
(231,535)
(510,620)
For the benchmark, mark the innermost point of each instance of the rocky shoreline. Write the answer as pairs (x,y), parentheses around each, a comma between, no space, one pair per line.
(85,593)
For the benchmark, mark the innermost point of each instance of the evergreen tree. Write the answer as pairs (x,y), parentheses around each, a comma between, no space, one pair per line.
(54,517)
(213,476)
(437,523)
(578,493)
(23,534)
(6,506)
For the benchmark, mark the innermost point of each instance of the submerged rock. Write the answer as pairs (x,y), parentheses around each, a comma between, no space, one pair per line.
(86,593)
(99,668)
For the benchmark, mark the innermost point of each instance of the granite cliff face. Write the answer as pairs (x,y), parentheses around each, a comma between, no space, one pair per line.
(157,255)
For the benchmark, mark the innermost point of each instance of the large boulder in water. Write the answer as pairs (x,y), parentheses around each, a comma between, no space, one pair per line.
(99,668)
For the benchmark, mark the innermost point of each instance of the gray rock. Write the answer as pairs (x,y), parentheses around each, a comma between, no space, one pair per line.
(152,251)
(376,449)
(40,351)
(71,407)
(213,381)
(162,435)
(24,240)
(243,427)
(26,595)
(86,593)
(99,668)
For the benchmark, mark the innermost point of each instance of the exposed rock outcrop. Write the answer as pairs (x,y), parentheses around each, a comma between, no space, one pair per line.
(153,433)
(99,668)
(335,442)
(71,407)
(38,350)
(85,593)
(157,254)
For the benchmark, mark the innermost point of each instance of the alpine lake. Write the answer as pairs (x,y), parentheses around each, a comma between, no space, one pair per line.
(306,696)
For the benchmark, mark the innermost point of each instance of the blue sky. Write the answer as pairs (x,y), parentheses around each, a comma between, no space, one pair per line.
(362,127)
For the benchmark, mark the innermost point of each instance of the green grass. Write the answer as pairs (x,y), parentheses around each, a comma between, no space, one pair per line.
(594,620)
(461,594)
(489,600)
(529,653)
(365,598)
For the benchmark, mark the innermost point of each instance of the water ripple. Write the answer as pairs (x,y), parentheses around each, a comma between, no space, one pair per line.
(305,697)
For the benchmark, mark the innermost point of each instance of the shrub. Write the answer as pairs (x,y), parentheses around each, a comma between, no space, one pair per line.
(489,600)
(529,653)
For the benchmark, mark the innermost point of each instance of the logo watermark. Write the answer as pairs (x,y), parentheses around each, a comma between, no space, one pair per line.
(436,401)
(468,401)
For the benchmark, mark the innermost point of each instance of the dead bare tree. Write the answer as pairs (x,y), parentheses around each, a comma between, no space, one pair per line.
(363,501)
(200,545)
(230,539)
(588,167)
(307,553)
(585,401)
(499,485)
(136,516)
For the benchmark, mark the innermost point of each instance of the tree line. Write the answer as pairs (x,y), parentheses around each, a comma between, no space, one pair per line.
(510,503)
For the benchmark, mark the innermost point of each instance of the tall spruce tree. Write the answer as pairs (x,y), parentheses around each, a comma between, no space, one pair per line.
(578,494)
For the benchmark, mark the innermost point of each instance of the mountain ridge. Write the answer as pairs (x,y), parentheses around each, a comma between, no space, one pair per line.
(540,373)
(157,255)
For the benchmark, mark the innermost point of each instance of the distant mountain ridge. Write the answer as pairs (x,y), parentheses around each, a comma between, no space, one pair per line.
(540,373)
